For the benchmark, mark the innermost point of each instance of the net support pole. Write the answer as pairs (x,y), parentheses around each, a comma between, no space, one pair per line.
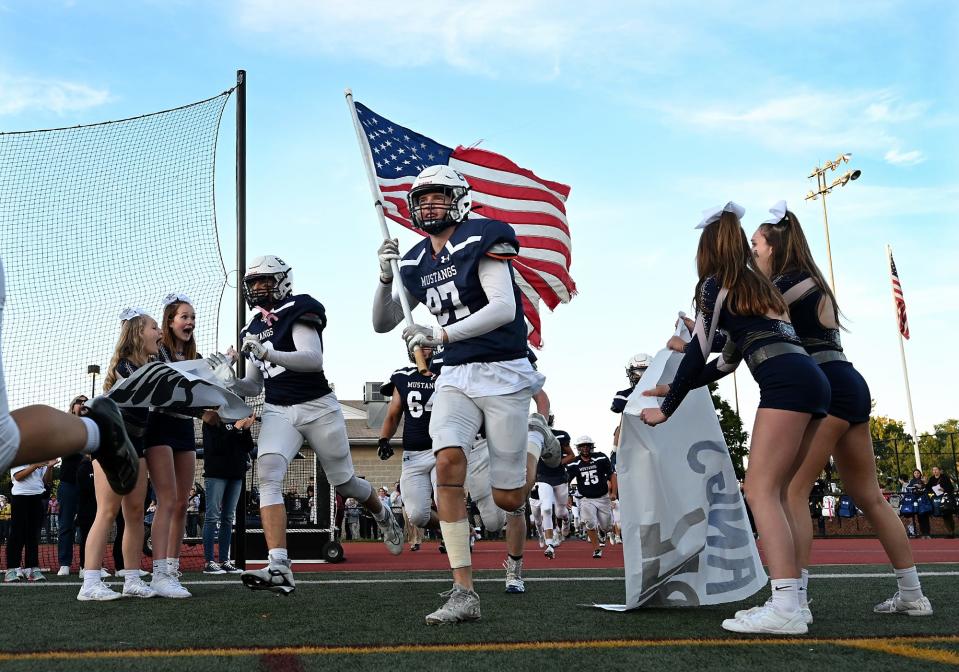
(421,362)
(905,373)
(240,527)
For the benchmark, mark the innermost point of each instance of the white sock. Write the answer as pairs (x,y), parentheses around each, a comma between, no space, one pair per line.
(173,565)
(534,444)
(909,588)
(804,588)
(93,436)
(279,556)
(785,595)
(91,577)
(159,567)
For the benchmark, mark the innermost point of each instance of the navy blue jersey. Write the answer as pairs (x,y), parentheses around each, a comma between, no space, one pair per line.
(415,390)
(592,477)
(283,387)
(448,283)
(553,475)
(804,313)
(620,399)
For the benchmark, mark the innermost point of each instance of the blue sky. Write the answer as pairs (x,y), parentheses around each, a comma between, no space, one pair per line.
(651,112)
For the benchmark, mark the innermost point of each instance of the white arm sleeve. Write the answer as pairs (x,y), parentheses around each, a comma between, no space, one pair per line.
(308,356)
(387,309)
(251,384)
(497,283)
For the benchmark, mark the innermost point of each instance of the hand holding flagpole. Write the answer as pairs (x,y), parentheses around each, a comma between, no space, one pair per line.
(421,364)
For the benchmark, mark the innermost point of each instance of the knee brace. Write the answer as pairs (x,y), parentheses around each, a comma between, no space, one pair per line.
(9,442)
(356,488)
(271,470)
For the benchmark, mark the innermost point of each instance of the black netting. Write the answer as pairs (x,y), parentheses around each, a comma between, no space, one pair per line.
(94,219)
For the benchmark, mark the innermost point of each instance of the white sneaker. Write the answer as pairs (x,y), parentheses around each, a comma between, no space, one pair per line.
(462,605)
(897,605)
(392,534)
(64,571)
(137,588)
(104,573)
(550,551)
(168,585)
(514,576)
(276,577)
(98,592)
(767,620)
(35,574)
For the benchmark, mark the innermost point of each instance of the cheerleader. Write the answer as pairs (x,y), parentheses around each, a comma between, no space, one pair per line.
(171,454)
(734,297)
(139,342)
(782,254)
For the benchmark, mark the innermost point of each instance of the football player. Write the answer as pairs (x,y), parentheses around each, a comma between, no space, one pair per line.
(554,493)
(462,271)
(284,345)
(635,368)
(597,484)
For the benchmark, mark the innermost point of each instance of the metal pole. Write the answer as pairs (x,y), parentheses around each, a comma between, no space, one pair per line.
(240,526)
(825,218)
(905,373)
(736,392)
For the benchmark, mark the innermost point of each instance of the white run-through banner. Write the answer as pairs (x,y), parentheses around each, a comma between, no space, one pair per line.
(179,385)
(686,535)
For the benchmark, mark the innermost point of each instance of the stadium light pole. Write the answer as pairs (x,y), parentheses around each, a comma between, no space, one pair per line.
(92,371)
(823,187)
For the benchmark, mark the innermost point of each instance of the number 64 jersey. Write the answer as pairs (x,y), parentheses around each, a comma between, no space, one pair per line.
(448,283)
(415,391)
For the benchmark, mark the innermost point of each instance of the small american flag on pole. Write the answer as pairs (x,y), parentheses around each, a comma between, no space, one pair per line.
(897,296)
(534,207)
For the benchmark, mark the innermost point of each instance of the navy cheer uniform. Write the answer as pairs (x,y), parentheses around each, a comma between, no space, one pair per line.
(169,428)
(449,285)
(135,419)
(851,400)
(415,391)
(788,378)
(284,387)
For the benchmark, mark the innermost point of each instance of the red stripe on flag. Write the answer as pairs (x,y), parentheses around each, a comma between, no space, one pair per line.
(481,157)
(532,315)
(543,243)
(552,269)
(479,185)
(520,217)
(542,287)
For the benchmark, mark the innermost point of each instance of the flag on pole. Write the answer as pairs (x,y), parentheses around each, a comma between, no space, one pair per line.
(534,207)
(897,296)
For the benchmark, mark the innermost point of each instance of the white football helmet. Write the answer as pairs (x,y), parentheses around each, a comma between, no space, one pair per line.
(636,367)
(267,266)
(445,180)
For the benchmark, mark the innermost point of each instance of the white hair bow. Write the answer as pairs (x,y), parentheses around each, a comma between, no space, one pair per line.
(713,214)
(778,212)
(130,313)
(175,297)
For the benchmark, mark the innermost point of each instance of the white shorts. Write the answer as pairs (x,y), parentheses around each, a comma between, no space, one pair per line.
(616,516)
(320,422)
(554,498)
(596,513)
(457,419)
(417,483)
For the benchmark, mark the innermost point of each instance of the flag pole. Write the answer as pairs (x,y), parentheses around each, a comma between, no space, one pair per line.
(905,371)
(421,363)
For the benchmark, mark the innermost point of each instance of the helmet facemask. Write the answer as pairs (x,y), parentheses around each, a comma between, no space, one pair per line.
(263,298)
(441,216)
(635,373)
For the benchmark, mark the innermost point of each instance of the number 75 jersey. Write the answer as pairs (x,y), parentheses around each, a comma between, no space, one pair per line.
(448,283)
(415,391)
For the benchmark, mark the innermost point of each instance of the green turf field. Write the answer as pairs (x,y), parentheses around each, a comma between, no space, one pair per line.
(322,627)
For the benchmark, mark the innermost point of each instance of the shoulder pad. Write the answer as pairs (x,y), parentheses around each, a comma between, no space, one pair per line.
(502,249)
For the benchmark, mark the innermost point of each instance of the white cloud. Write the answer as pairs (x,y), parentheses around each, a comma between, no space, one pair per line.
(897,158)
(31,94)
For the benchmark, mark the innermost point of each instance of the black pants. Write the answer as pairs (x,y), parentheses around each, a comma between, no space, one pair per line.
(26,519)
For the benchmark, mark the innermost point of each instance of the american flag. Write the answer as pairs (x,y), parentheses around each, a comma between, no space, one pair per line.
(898,298)
(534,207)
